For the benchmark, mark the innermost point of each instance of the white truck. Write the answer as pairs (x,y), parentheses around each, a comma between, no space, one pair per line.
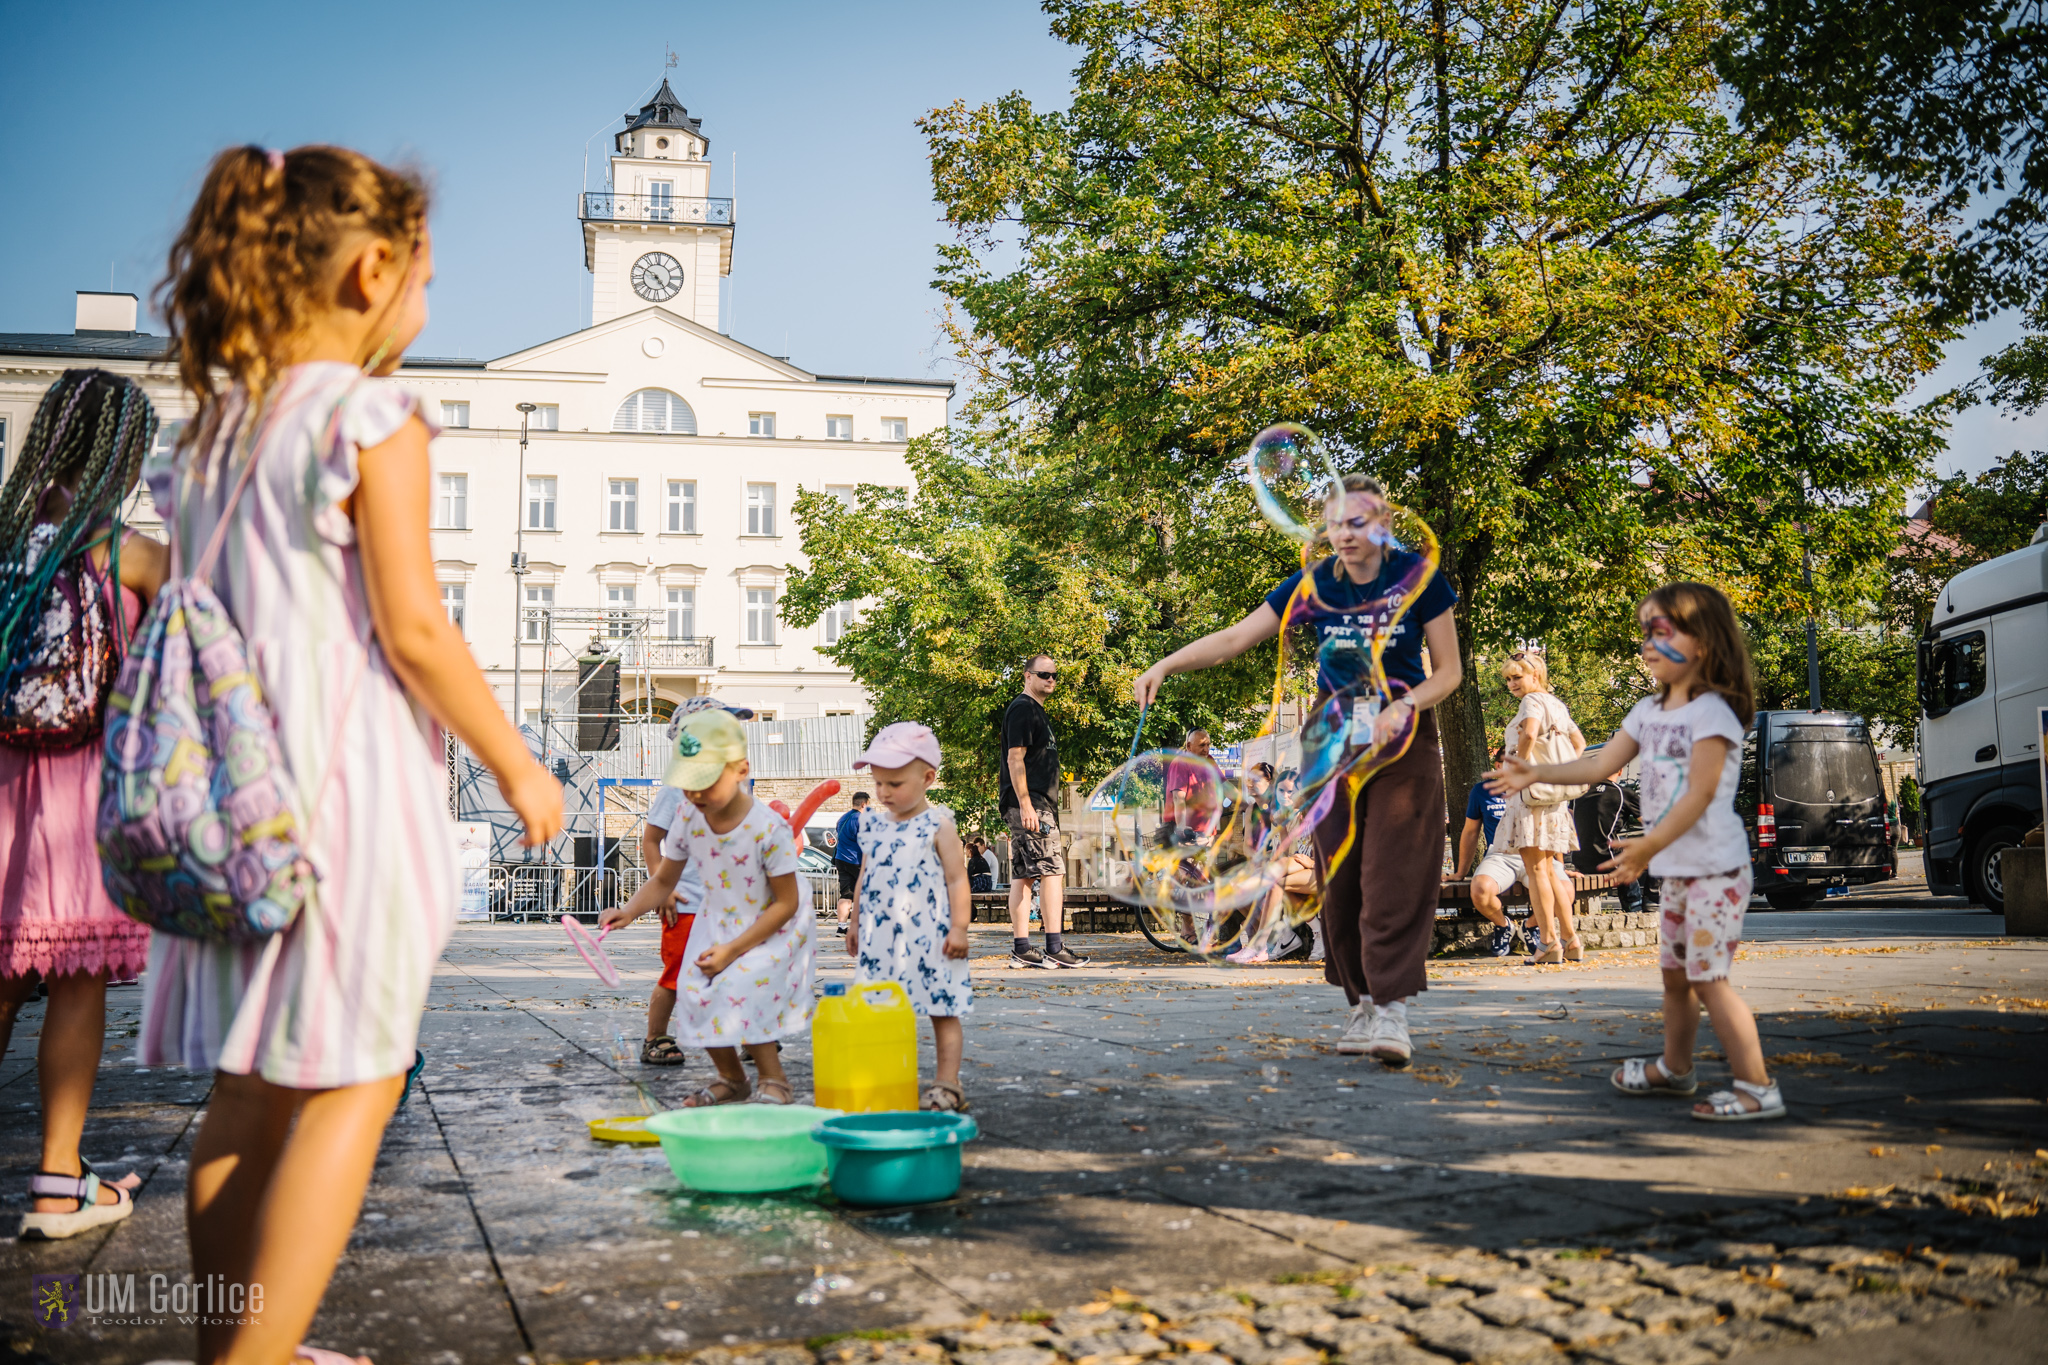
(1983,675)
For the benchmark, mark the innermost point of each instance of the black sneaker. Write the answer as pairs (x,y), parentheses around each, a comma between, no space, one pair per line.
(1065,957)
(1031,957)
(1503,941)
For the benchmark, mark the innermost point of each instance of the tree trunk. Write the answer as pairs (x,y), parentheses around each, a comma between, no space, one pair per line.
(1463,728)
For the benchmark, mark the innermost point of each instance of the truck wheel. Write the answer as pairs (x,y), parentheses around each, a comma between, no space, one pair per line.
(1983,880)
(1799,898)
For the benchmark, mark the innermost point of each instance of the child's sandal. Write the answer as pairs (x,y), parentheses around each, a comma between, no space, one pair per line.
(90,1213)
(940,1098)
(661,1050)
(770,1090)
(1633,1078)
(1726,1106)
(706,1097)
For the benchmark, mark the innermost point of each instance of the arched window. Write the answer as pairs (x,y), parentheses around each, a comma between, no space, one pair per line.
(655,410)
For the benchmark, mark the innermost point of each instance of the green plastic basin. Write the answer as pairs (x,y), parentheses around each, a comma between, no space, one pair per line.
(894,1158)
(743,1148)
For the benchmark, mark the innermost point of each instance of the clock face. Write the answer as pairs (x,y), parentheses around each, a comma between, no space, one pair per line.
(657,277)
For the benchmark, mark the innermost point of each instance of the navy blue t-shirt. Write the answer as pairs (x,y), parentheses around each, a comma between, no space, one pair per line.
(846,835)
(1487,808)
(1339,630)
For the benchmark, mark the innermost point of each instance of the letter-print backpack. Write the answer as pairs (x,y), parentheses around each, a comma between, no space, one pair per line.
(195,836)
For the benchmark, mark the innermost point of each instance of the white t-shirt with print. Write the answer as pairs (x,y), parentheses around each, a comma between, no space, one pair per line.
(662,813)
(1716,842)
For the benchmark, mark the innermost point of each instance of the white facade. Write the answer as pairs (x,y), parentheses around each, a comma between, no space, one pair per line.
(661,465)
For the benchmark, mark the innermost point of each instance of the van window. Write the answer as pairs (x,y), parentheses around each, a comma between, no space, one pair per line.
(1824,764)
(1951,672)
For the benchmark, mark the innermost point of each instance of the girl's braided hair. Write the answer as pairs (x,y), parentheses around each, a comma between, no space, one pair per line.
(90,433)
(255,252)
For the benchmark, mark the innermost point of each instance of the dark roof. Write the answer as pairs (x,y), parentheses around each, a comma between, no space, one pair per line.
(664,111)
(99,345)
(440,362)
(945,384)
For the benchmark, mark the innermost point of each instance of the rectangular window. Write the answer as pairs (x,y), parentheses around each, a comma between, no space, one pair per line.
(837,620)
(661,200)
(544,417)
(455,414)
(540,504)
(895,429)
(842,491)
(618,601)
(682,507)
(839,428)
(539,601)
(451,602)
(682,613)
(760,616)
(760,509)
(760,424)
(451,502)
(623,505)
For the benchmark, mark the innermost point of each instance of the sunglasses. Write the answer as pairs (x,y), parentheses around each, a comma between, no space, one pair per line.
(1050,675)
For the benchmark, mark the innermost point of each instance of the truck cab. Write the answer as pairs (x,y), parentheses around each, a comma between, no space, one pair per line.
(1812,798)
(1983,674)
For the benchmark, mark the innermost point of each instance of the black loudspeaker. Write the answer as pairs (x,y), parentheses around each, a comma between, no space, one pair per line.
(597,704)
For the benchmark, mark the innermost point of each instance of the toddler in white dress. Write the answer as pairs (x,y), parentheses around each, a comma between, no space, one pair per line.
(912,904)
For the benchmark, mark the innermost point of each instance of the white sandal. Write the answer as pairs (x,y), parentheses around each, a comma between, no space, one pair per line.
(1725,1106)
(90,1213)
(1633,1078)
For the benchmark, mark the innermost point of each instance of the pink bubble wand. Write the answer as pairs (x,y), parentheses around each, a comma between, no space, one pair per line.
(591,950)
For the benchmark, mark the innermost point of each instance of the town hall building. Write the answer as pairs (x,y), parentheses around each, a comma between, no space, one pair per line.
(622,492)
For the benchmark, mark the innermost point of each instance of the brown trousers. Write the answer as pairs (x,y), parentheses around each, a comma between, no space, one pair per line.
(1379,902)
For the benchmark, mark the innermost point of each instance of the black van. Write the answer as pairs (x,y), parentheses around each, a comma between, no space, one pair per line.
(1814,805)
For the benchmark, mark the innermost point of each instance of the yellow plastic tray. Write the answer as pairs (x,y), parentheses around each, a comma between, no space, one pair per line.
(625,1128)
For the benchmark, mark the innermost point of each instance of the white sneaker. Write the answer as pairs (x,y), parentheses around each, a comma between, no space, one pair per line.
(1390,1045)
(1359,1032)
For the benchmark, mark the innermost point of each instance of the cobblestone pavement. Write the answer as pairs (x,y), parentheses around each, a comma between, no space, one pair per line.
(1176,1161)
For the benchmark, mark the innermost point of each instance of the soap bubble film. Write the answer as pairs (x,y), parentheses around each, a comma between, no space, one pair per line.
(1289,476)
(1204,856)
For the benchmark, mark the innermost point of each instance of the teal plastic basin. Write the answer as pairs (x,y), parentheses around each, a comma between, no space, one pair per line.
(886,1159)
(743,1148)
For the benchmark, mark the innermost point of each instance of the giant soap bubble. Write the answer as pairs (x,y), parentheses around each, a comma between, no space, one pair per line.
(1207,858)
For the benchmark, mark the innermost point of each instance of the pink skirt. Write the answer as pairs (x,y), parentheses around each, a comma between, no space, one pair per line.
(55,917)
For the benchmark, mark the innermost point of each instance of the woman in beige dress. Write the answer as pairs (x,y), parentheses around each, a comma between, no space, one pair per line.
(1541,834)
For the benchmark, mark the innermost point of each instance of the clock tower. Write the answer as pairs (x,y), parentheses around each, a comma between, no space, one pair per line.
(656,237)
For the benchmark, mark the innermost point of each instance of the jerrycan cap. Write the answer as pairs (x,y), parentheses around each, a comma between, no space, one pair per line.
(835,988)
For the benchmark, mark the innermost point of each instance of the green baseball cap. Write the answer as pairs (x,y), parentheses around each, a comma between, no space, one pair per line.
(705,743)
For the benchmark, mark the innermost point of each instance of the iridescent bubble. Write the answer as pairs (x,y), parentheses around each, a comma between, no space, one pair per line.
(1217,867)
(1288,476)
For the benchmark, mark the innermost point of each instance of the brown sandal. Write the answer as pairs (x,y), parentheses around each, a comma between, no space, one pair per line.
(768,1089)
(709,1095)
(1576,952)
(941,1098)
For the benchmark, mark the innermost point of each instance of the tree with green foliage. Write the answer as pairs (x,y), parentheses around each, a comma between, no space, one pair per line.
(1514,260)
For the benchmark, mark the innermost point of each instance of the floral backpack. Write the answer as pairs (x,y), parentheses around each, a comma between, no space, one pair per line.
(195,836)
(53,697)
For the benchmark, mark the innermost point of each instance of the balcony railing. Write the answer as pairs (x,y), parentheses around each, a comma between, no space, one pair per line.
(601,206)
(665,653)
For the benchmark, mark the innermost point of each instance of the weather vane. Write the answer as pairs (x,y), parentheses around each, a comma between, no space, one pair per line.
(670,65)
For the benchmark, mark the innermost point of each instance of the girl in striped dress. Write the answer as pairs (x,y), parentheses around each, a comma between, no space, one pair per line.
(301,278)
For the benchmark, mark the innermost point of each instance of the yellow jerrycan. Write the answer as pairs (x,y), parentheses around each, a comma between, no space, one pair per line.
(864,1048)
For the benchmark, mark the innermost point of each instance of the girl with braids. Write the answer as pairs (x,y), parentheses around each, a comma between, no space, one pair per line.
(80,462)
(298,280)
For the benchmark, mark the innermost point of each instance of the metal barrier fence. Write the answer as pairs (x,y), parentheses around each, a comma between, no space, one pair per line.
(547,891)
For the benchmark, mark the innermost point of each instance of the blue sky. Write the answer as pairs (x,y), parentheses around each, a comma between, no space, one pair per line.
(111,111)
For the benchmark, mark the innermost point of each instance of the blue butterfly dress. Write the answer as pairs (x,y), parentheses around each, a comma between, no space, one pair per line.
(905,913)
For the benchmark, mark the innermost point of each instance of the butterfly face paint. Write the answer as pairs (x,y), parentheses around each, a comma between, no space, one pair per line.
(1657,635)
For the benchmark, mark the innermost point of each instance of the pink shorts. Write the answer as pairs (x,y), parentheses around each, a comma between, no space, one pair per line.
(1701,926)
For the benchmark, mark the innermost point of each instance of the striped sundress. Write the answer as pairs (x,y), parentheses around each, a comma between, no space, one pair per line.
(336,998)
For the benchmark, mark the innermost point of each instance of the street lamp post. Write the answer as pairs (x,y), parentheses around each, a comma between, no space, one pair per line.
(526,411)
(1806,568)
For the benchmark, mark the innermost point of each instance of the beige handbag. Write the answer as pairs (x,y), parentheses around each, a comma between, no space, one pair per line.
(1553,745)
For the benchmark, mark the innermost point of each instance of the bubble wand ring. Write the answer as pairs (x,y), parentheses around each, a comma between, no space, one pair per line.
(591,950)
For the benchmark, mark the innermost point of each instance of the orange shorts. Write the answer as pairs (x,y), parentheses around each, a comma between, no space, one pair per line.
(675,939)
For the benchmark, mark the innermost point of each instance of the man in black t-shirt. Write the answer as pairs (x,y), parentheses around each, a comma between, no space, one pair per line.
(1029,778)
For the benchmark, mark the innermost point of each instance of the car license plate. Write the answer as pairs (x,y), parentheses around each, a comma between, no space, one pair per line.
(1805,855)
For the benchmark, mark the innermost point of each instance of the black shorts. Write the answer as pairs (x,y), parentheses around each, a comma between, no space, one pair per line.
(849,874)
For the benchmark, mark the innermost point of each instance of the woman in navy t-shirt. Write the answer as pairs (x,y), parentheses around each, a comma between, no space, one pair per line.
(1378,946)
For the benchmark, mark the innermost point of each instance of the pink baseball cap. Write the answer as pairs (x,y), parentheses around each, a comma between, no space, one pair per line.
(895,745)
